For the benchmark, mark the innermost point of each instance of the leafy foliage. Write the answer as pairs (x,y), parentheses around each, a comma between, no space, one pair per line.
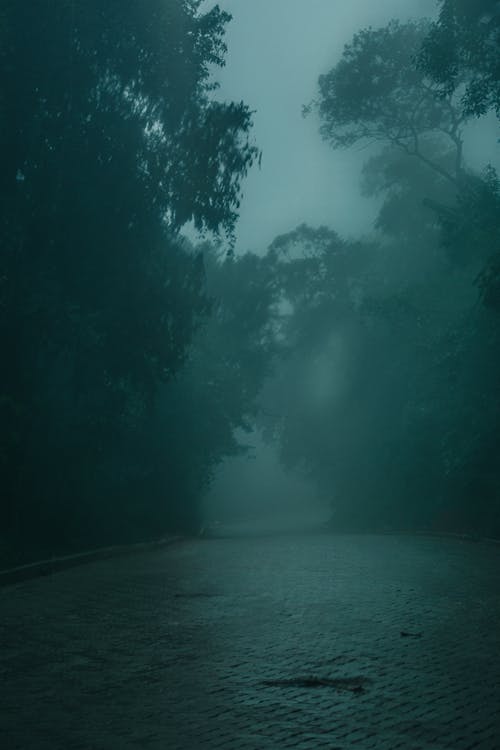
(461,53)
(115,141)
(376,93)
(389,399)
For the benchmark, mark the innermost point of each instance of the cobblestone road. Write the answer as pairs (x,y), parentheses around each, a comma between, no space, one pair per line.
(296,642)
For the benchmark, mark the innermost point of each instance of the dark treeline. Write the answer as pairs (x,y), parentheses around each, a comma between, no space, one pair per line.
(390,399)
(130,356)
(111,142)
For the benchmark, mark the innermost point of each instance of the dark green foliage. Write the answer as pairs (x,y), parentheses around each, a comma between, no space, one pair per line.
(376,93)
(404,186)
(111,143)
(461,52)
(471,227)
(131,357)
(232,353)
(390,399)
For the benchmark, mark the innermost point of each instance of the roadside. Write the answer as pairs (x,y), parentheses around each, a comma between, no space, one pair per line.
(49,566)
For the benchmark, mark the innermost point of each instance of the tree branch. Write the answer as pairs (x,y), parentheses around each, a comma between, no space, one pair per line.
(417,153)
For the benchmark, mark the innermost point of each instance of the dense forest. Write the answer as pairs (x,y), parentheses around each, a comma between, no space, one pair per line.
(131,355)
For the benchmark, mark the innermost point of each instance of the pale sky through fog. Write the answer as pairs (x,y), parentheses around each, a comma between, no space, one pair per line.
(276,51)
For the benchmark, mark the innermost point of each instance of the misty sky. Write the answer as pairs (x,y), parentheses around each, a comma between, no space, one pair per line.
(276,51)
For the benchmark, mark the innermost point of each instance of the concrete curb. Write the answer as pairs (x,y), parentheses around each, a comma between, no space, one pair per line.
(53,565)
(460,537)
(233,531)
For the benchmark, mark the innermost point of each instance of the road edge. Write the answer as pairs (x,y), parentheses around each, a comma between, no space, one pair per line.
(41,568)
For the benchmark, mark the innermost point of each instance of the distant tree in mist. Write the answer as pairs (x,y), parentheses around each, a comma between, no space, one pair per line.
(389,398)
(231,355)
(461,54)
(376,93)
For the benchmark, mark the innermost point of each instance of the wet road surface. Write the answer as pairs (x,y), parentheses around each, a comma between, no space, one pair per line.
(299,641)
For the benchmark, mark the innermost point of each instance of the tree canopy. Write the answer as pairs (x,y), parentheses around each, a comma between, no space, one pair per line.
(376,93)
(389,397)
(132,357)
(460,53)
(112,140)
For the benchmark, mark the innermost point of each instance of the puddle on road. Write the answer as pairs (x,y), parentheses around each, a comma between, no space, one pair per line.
(195,595)
(350,684)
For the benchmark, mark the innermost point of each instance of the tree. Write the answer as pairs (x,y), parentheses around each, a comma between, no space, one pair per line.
(113,140)
(391,403)
(316,272)
(460,54)
(376,93)
(217,391)
(381,399)
(391,363)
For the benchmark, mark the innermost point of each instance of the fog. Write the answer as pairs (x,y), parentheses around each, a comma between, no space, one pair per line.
(270,224)
(276,52)
(255,494)
(249,374)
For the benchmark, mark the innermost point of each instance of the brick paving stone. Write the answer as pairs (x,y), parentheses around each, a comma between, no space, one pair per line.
(212,644)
